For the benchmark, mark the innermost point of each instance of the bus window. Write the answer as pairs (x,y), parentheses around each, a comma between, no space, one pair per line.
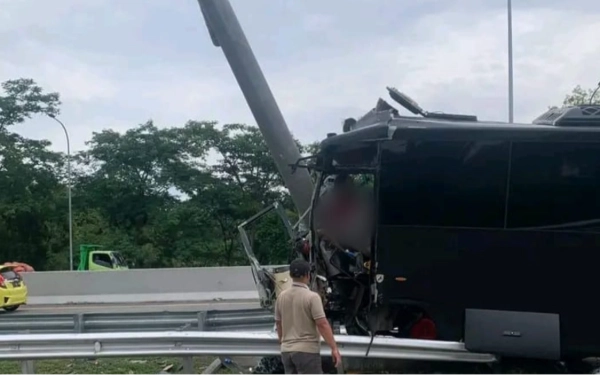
(554,184)
(444,183)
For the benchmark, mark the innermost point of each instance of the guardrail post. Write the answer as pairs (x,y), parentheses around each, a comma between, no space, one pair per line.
(27,367)
(79,326)
(188,365)
(201,320)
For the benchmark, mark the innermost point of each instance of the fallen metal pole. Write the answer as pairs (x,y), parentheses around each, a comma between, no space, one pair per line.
(226,32)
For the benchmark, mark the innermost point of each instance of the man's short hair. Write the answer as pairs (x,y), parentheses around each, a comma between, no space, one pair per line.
(299,268)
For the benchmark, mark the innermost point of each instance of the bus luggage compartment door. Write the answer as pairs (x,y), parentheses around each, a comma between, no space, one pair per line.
(514,334)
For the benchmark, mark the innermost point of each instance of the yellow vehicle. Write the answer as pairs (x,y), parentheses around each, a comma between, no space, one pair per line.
(13,291)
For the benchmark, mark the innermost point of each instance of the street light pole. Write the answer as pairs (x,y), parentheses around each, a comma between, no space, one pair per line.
(68,190)
(510,65)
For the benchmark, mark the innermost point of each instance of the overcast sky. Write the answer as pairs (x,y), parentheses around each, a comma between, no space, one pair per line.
(118,63)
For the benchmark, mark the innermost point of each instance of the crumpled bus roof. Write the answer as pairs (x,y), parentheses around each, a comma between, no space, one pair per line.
(417,128)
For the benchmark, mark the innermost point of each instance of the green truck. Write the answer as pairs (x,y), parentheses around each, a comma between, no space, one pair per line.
(97,258)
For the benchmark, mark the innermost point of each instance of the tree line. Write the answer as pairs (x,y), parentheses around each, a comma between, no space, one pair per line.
(159,195)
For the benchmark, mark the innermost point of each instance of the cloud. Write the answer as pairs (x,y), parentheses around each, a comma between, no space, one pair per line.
(75,78)
(454,62)
(117,66)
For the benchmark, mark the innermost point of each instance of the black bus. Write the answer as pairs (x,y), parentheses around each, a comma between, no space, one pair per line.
(483,232)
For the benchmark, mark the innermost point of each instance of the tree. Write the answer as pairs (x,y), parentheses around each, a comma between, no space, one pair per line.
(165,197)
(242,181)
(23,98)
(127,174)
(156,187)
(31,179)
(129,177)
(580,96)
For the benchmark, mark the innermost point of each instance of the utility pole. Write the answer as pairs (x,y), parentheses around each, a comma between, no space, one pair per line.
(226,32)
(510,64)
(68,191)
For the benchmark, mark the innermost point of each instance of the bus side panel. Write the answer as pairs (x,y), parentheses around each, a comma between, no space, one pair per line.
(531,271)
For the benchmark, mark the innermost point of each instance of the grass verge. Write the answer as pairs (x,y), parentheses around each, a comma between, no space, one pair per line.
(142,365)
(172,365)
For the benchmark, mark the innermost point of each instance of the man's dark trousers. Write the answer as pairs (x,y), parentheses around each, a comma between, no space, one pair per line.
(301,363)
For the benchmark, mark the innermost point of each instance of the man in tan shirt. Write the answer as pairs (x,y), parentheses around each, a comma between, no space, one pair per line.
(301,322)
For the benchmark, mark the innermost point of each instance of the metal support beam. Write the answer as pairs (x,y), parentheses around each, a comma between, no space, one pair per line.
(28,367)
(188,365)
(79,320)
(69,188)
(201,320)
(511,112)
(226,32)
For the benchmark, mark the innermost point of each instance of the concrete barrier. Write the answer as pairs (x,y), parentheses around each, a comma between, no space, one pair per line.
(141,285)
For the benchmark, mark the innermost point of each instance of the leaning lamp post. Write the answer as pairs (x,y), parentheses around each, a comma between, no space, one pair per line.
(68,190)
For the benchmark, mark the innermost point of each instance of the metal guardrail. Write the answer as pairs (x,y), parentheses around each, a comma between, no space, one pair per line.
(131,344)
(251,320)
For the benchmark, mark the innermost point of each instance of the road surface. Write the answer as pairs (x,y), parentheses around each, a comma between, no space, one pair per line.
(133,307)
